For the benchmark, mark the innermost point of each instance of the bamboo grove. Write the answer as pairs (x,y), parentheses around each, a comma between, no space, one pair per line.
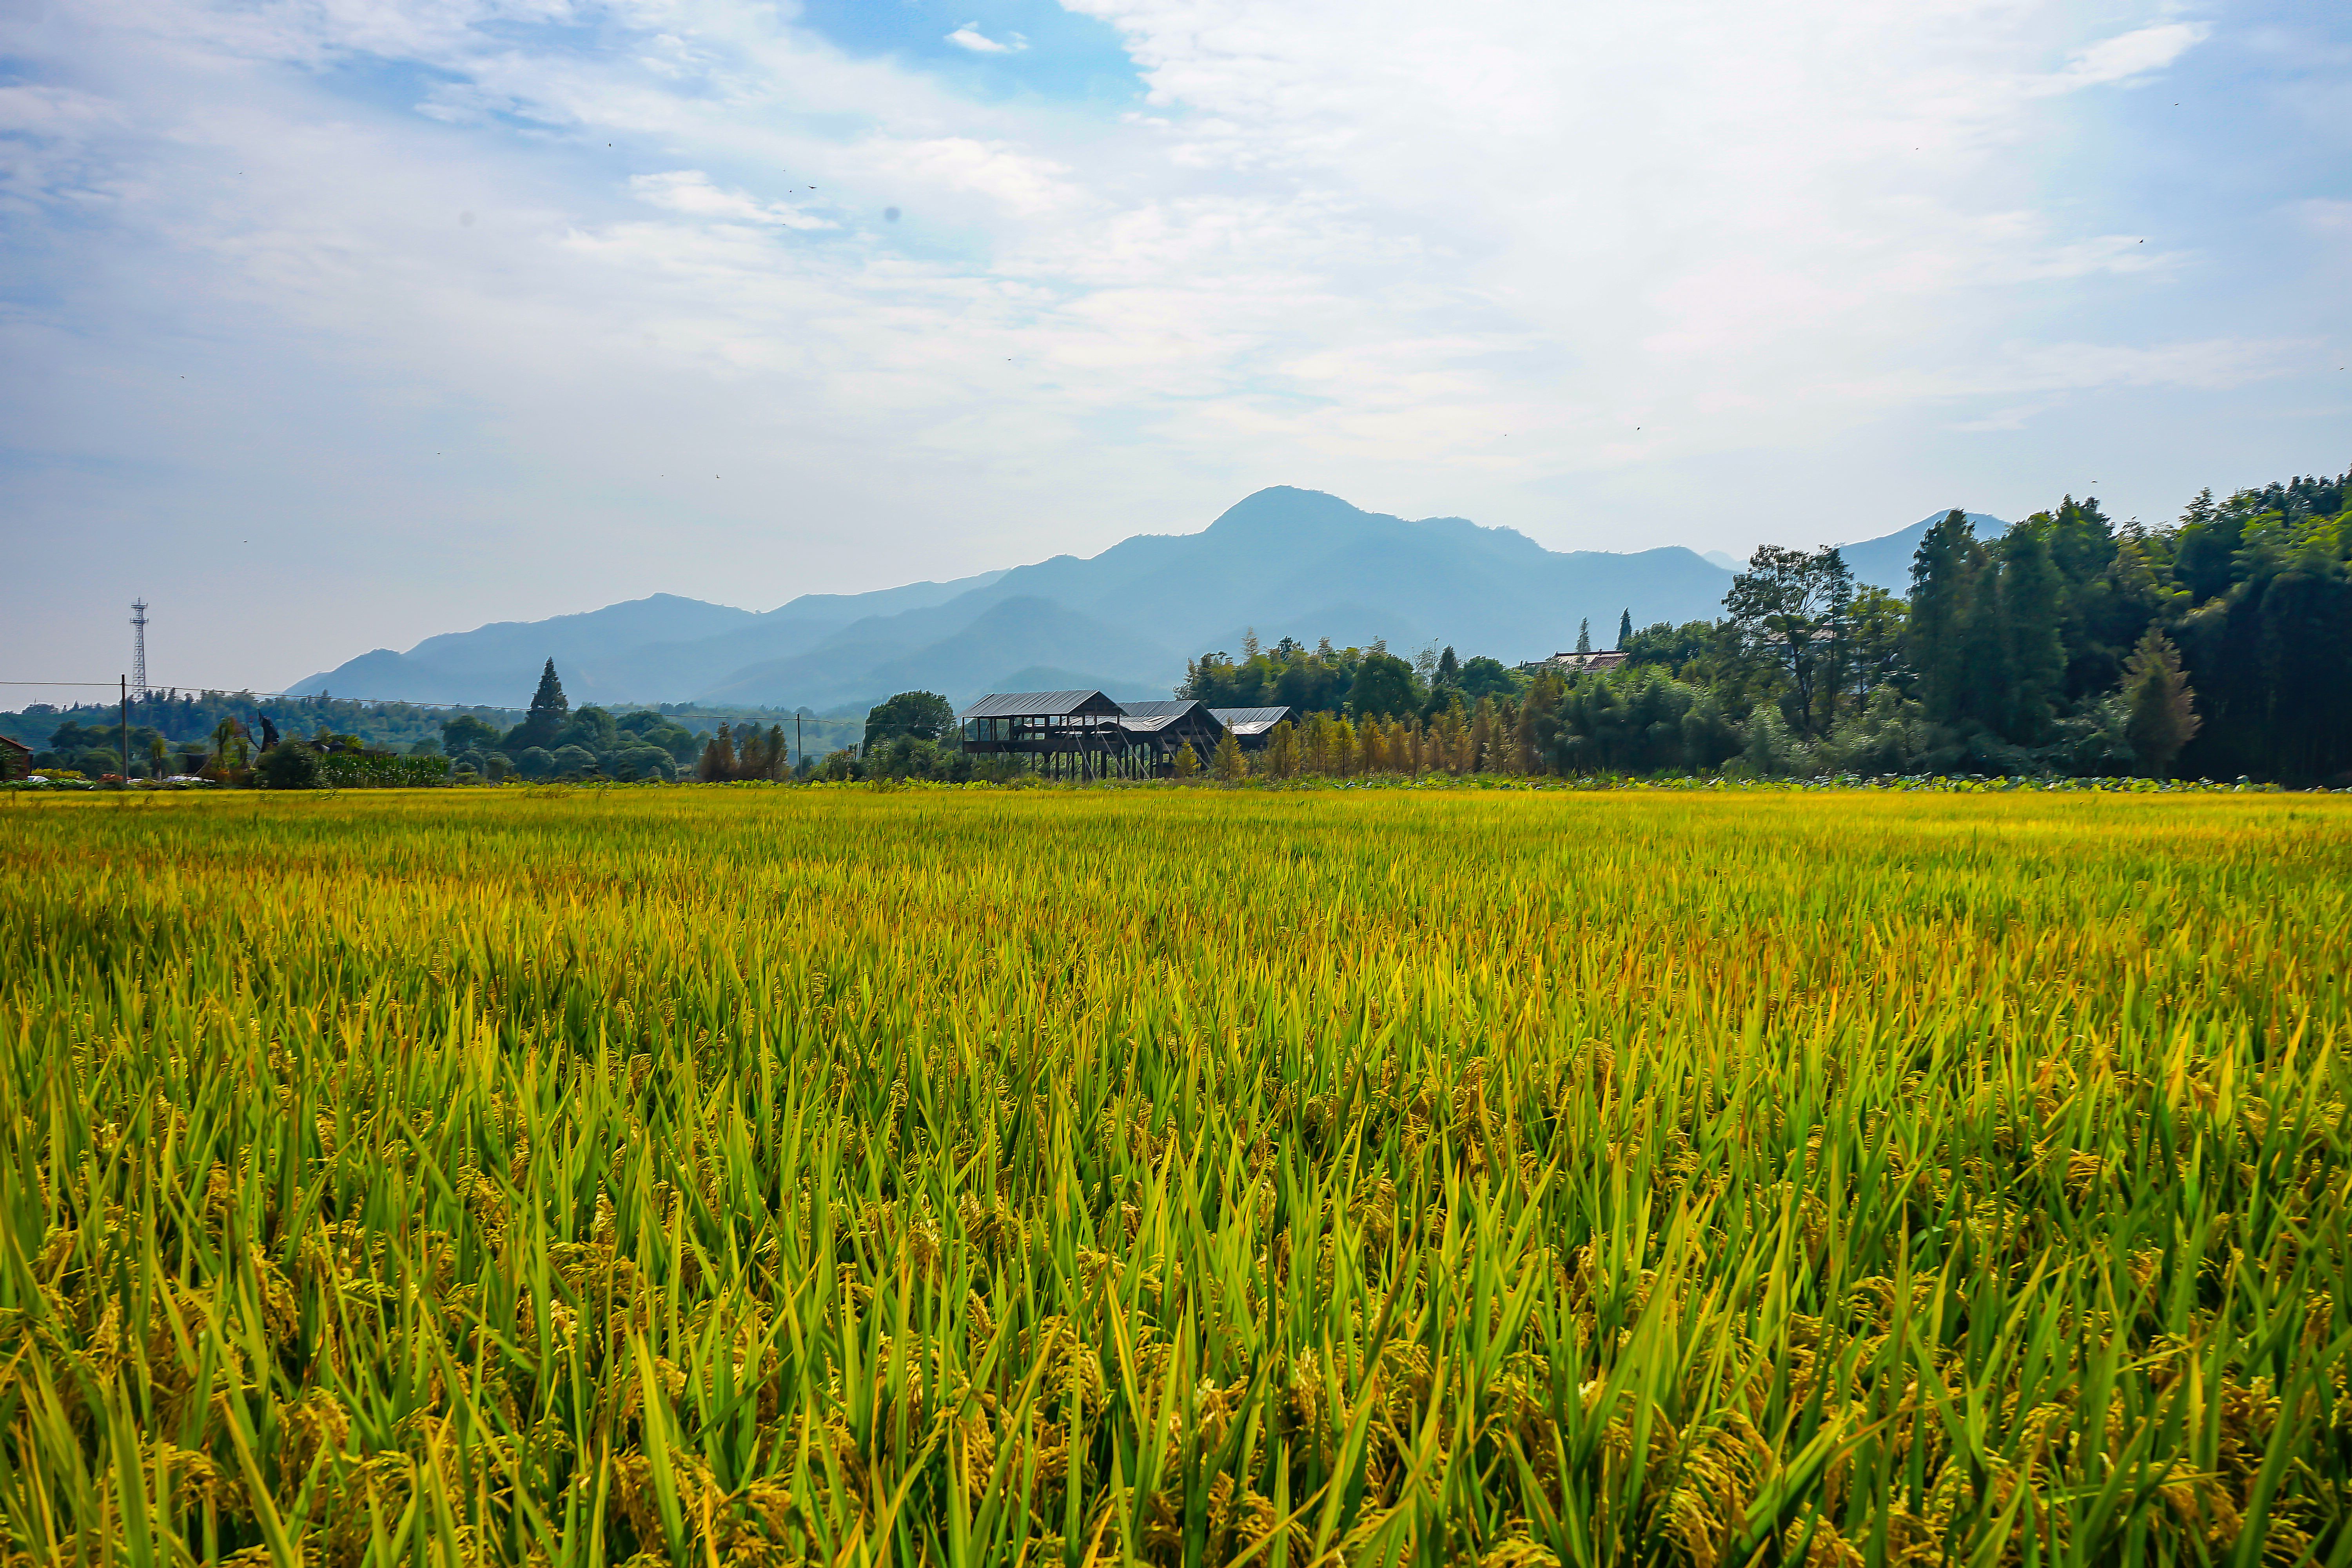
(1174,1177)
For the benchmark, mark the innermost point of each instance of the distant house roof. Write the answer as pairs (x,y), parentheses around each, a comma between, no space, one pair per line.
(12,740)
(1038,705)
(1605,659)
(1157,709)
(1251,720)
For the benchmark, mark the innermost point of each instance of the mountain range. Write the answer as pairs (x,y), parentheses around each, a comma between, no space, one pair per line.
(1281,562)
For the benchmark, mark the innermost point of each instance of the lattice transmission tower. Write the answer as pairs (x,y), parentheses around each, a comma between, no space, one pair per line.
(138,647)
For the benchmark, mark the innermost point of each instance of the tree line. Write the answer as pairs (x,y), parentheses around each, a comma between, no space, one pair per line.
(2217,647)
(295,741)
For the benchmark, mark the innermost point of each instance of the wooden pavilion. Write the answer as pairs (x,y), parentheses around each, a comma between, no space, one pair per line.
(1073,734)
(1156,731)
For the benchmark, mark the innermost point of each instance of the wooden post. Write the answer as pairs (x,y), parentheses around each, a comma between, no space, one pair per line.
(126,731)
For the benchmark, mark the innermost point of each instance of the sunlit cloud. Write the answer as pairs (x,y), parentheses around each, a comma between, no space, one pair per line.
(2128,56)
(970,37)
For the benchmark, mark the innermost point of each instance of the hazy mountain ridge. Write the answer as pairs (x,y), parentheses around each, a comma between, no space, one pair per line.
(1125,619)
(1885,563)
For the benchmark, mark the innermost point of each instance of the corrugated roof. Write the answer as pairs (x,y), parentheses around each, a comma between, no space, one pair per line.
(1250,721)
(1158,710)
(1036,705)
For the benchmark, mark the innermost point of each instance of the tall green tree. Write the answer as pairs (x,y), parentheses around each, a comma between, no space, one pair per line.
(1584,635)
(1945,571)
(545,719)
(2034,652)
(1384,688)
(1624,627)
(2162,708)
(1794,606)
(924,715)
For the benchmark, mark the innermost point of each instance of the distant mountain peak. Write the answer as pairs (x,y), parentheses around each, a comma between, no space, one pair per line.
(1285,507)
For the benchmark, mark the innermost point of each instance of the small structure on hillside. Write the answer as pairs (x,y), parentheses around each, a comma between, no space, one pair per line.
(1252,728)
(15,758)
(1574,663)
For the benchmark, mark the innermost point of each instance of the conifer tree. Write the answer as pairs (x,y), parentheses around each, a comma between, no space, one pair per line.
(2162,707)
(753,760)
(1228,763)
(718,757)
(549,709)
(1624,627)
(1347,749)
(1584,635)
(1943,583)
(2036,655)
(1486,721)
(1186,763)
(1282,751)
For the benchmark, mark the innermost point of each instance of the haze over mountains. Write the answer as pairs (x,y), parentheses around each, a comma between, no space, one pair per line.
(1283,562)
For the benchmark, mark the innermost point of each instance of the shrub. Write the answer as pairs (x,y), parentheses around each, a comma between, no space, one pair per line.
(635,763)
(288,764)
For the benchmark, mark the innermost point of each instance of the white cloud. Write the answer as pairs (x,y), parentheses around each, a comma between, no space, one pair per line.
(2128,55)
(2326,215)
(970,37)
(1017,179)
(689,191)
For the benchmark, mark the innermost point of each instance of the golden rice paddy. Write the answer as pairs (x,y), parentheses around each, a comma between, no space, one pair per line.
(1174,1176)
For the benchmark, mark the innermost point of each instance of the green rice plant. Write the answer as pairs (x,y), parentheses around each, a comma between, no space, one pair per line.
(1174,1177)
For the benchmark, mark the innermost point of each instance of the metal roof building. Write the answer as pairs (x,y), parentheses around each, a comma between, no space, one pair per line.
(1075,733)
(1253,727)
(1161,728)
(1039,704)
(1084,734)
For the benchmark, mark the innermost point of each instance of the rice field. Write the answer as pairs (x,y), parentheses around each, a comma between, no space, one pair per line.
(1178,1177)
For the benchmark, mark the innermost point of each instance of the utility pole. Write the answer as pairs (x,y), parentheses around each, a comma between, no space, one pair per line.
(126,729)
(799,750)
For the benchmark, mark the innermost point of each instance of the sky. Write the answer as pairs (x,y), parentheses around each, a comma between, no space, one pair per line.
(331,324)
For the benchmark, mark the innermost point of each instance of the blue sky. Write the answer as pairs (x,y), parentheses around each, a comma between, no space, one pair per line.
(328,324)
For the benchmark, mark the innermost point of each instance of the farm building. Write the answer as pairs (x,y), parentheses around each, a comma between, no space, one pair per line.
(1075,734)
(1252,728)
(1086,734)
(15,758)
(1160,728)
